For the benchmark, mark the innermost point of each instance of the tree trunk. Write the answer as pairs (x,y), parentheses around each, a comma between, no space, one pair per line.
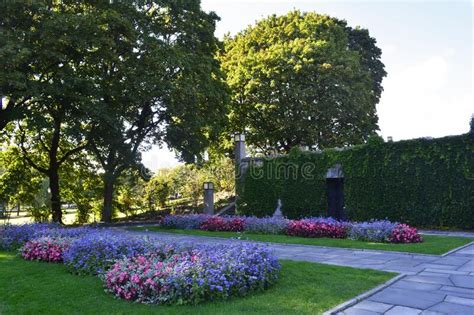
(108,197)
(54,173)
(55,195)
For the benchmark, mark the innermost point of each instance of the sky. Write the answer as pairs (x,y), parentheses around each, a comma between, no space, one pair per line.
(427,48)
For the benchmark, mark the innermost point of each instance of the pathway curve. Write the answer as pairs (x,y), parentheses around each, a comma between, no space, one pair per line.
(431,284)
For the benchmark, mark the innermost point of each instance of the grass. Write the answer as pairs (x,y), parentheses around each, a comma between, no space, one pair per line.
(304,288)
(432,244)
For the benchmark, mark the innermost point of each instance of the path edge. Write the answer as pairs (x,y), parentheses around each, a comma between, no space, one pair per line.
(343,306)
(452,251)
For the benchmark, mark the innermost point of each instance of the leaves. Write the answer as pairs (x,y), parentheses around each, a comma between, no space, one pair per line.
(303,79)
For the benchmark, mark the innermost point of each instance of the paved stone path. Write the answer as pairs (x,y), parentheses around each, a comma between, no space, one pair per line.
(431,285)
(448,233)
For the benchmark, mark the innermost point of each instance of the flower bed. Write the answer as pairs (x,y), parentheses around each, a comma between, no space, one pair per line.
(268,225)
(147,271)
(15,236)
(45,248)
(403,233)
(191,221)
(190,277)
(372,231)
(317,228)
(96,252)
(229,224)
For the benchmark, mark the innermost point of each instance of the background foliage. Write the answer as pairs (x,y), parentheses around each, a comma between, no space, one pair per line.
(423,182)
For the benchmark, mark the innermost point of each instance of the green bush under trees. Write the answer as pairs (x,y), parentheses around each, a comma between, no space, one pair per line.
(423,182)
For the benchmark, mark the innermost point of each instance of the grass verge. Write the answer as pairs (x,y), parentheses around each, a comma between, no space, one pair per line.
(304,288)
(432,244)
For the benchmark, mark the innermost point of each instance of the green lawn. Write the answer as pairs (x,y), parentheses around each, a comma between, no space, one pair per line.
(433,244)
(304,288)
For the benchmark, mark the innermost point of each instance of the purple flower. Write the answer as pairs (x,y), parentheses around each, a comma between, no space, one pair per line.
(372,231)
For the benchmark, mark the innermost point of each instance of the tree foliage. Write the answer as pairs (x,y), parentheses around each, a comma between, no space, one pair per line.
(303,79)
(110,78)
(158,83)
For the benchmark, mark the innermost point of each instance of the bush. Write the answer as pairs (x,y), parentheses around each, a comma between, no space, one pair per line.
(373,231)
(96,252)
(403,233)
(193,276)
(49,249)
(317,227)
(267,225)
(229,224)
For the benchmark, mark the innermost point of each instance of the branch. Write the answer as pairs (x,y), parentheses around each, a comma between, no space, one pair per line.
(97,154)
(72,152)
(27,158)
(42,143)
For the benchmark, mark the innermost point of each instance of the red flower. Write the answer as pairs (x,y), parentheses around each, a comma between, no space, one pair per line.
(223,224)
(304,228)
(404,233)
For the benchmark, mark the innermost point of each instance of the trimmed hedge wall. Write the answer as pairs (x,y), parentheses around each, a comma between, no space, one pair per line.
(423,182)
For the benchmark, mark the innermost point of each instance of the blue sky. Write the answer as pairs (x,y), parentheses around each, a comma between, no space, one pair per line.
(427,48)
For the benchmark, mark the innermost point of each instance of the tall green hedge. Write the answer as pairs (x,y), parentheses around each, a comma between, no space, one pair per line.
(423,182)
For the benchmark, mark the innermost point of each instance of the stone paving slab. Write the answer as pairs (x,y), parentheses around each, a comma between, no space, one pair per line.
(463,281)
(410,285)
(452,309)
(410,298)
(430,279)
(433,285)
(373,306)
(459,300)
(453,290)
(403,310)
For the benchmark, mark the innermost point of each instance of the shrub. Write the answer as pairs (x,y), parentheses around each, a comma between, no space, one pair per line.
(317,227)
(395,180)
(193,276)
(230,224)
(45,248)
(372,231)
(267,225)
(188,222)
(96,252)
(403,233)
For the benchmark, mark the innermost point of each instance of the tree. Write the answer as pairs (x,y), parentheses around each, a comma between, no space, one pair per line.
(19,183)
(303,79)
(157,82)
(81,185)
(158,190)
(19,77)
(46,48)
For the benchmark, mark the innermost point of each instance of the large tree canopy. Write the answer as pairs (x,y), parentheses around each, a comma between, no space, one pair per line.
(303,79)
(108,77)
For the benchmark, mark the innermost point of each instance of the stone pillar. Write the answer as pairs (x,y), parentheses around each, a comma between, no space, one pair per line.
(239,151)
(208,198)
(240,168)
